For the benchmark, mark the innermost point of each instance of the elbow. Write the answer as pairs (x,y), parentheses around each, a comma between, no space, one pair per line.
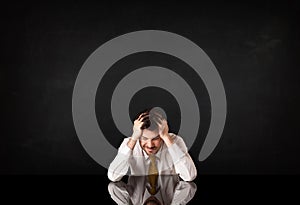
(112,177)
(190,174)
(189,177)
(109,175)
(193,176)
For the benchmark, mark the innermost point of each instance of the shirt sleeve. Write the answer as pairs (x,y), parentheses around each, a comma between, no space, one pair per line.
(118,192)
(184,192)
(183,162)
(119,166)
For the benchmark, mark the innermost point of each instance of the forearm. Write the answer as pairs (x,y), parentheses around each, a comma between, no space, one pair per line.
(184,192)
(119,166)
(183,162)
(167,139)
(119,193)
(131,143)
(186,169)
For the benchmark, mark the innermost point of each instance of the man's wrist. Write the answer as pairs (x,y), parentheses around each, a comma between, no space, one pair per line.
(135,137)
(131,143)
(167,139)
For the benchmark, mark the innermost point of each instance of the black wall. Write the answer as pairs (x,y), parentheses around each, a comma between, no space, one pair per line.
(255,47)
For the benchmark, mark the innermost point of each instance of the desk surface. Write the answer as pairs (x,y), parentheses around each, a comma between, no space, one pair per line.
(94,188)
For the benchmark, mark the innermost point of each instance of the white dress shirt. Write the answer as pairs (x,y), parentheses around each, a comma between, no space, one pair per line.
(171,160)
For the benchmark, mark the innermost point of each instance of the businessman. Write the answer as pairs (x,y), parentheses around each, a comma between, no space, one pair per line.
(152,150)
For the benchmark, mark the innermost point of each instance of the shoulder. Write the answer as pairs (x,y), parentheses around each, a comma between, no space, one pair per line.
(124,143)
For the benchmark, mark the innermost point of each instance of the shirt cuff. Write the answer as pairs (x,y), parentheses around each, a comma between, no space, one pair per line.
(175,152)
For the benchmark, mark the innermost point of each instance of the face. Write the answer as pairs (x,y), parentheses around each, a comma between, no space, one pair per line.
(150,141)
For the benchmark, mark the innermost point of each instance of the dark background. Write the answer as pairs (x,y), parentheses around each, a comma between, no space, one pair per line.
(254,45)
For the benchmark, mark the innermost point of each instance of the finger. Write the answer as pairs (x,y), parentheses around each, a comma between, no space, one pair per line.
(143,126)
(157,119)
(141,115)
(144,118)
(139,123)
(158,114)
(163,124)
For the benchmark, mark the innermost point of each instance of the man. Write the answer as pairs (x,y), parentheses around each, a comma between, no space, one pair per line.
(152,150)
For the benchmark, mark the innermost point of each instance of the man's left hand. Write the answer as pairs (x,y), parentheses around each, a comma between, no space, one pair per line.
(164,132)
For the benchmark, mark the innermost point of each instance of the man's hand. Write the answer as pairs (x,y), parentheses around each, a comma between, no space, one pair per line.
(138,123)
(164,132)
(163,128)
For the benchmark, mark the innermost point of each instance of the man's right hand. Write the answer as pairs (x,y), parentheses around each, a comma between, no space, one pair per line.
(138,123)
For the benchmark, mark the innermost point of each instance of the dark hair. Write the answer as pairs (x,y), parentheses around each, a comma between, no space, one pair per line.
(152,121)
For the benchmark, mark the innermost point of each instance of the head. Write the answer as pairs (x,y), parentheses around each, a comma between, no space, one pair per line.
(150,141)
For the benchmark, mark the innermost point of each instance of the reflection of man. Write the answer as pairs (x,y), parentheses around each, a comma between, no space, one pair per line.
(152,150)
(136,191)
